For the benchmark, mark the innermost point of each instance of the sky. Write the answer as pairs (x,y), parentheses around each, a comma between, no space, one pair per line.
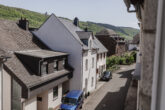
(101,11)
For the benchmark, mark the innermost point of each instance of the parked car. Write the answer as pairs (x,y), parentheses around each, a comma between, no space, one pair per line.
(106,76)
(72,101)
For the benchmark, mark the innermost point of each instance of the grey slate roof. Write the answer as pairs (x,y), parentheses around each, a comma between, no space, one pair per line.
(71,27)
(41,53)
(80,34)
(14,39)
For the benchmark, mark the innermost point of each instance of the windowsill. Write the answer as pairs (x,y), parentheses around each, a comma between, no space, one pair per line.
(55,98)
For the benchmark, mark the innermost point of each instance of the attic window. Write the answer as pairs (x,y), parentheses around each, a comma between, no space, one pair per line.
(85,41)
(63,62)
(44,68)
(55,66)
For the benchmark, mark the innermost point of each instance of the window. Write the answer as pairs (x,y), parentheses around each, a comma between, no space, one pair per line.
(16,95)
(104,55)
(97,70)
(85,41)
(55,92)
(100,56)
(86,64)
(92,83)
(44,68)
(63,62)
(92,62)
(55,66)
(97,57)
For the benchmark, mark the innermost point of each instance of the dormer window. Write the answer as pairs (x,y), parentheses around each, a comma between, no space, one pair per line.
(55,66)
(63,62)
(85,41)
(44,69)
(43,62)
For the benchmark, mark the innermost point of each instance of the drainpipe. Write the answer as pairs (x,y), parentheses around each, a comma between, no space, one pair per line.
(158,58)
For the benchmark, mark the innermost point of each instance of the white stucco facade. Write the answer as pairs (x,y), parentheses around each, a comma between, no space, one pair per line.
(101,64)
(132,46)
(48,101)
(89,73)
(54,102)
(30,104)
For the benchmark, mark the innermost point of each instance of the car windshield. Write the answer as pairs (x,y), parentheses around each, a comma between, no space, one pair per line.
(69,101)
(106,73)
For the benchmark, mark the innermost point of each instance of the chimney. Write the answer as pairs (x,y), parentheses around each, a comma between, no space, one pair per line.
(76,21)
(24,24)
(86,29)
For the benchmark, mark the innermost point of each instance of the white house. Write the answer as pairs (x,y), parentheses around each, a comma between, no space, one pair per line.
(64,35)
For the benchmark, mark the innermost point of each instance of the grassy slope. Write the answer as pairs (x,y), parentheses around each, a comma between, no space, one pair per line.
(36,19)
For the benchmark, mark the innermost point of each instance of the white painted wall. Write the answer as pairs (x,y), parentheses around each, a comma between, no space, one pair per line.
(53,103)
(58,38)
(101,62)
(6,91)
(43,105)
(131,46)
(90,73)
(30,104)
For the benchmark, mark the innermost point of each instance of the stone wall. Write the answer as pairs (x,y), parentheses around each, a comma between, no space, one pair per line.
(147,46)
(109,43)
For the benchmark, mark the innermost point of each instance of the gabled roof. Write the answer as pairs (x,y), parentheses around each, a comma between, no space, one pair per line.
(71,27)
(76,32)
(14,39)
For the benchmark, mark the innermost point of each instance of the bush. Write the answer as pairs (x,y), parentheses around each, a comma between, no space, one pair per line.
(126,59)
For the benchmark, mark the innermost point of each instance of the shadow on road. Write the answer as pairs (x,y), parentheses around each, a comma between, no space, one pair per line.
(115,100)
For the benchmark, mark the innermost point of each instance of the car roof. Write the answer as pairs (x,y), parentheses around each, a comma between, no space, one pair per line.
(74,94)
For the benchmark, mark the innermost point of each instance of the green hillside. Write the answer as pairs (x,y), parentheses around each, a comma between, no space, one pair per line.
(36,19)
(126,32)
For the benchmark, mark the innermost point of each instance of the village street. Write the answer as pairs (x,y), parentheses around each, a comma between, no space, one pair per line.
(111,96)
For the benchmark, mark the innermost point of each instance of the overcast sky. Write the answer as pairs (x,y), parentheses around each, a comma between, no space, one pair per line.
(101,11)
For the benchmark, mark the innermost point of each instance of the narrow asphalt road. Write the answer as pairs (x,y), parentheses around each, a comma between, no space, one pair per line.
(111,96)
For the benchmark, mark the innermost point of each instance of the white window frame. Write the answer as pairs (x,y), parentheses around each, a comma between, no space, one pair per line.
(55,97)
